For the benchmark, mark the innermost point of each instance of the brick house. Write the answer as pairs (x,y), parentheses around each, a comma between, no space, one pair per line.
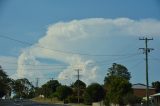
(140,90)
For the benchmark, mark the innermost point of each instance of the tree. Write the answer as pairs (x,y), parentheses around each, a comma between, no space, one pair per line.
(5,87)
(117,88)
(131,99)
(156,85)
(117,84)
(118,70)
(63,92)
(49,88)
(78,85)
(22,88)
(94,93)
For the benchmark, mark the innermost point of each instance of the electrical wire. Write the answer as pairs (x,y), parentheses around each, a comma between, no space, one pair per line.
(120,59)
(60,51)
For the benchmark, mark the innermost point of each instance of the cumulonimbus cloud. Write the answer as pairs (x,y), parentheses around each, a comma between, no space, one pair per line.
(63,39)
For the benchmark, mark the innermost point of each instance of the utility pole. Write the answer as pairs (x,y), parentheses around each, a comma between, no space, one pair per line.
(37,81)
(78,83)
(146,50)
(51,79)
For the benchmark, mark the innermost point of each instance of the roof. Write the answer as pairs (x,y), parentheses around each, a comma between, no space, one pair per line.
(140,86)
(157,94)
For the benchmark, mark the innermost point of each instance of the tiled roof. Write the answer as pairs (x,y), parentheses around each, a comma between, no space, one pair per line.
(140,86)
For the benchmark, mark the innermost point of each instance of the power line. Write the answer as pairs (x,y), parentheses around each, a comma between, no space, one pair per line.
(59,66)
(155,58)
(28,64)
(60,51)
(117,60)
(135,65)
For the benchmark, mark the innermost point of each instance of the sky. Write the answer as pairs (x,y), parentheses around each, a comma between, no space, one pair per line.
(53,38)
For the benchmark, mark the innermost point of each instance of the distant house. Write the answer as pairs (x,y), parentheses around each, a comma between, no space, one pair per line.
(140,90)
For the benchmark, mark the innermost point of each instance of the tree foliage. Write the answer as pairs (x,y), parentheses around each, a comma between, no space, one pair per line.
(22,88)
(63,92)
(94,93)
(49,88)
(79,84)
(131,99)
(117,88)
(117,84)
(118,70)
(5,86)
(156,85)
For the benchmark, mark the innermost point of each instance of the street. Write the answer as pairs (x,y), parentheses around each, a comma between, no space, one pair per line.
(25,103)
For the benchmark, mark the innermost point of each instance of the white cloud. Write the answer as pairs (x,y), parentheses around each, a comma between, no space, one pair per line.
(80,35)
(9,64)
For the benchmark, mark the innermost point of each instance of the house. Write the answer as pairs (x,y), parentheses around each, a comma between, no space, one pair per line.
(139,90)
(156,98)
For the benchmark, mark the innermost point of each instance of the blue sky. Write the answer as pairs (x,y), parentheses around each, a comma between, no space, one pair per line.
(61,32)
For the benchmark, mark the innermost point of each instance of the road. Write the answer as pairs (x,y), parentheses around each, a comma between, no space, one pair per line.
(25,103)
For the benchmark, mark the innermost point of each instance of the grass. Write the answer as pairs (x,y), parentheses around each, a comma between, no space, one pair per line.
(47,100)
(78,104)
(55,101)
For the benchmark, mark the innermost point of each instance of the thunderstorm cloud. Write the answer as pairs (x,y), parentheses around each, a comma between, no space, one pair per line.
(70,42)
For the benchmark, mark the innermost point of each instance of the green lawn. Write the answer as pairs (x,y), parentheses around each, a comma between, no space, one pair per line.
(55,101)
(46,100)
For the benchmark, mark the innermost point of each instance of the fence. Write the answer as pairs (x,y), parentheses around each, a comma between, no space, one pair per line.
(101,104)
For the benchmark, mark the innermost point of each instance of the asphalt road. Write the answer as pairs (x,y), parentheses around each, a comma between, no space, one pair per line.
(25,103)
